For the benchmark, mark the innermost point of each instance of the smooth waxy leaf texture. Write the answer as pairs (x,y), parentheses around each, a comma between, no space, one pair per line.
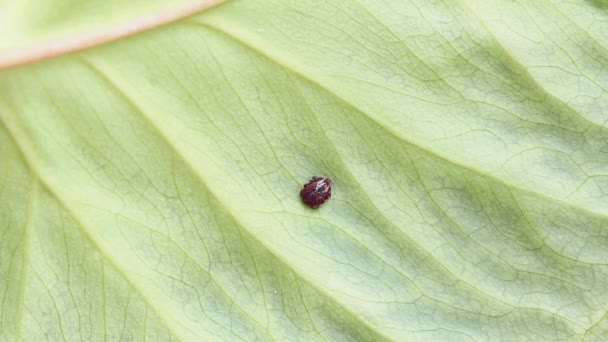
(149,186)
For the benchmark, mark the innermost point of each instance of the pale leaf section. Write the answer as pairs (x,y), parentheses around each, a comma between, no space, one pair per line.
(152,184)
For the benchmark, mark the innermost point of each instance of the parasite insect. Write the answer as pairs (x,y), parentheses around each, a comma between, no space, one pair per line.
(316,191)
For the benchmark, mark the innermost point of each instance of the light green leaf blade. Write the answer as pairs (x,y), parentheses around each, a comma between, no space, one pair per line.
(151,184)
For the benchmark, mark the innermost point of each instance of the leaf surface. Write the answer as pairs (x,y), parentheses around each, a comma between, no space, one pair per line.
(149,186)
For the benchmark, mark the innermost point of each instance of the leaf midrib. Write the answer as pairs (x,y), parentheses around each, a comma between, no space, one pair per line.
(63,45)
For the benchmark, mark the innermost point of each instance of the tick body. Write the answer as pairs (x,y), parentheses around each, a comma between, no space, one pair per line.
(316,191)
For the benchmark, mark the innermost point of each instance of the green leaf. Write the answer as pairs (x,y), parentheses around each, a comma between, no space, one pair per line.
(150,170)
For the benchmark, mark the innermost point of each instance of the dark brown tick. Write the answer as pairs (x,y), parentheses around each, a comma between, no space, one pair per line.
(316,191)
